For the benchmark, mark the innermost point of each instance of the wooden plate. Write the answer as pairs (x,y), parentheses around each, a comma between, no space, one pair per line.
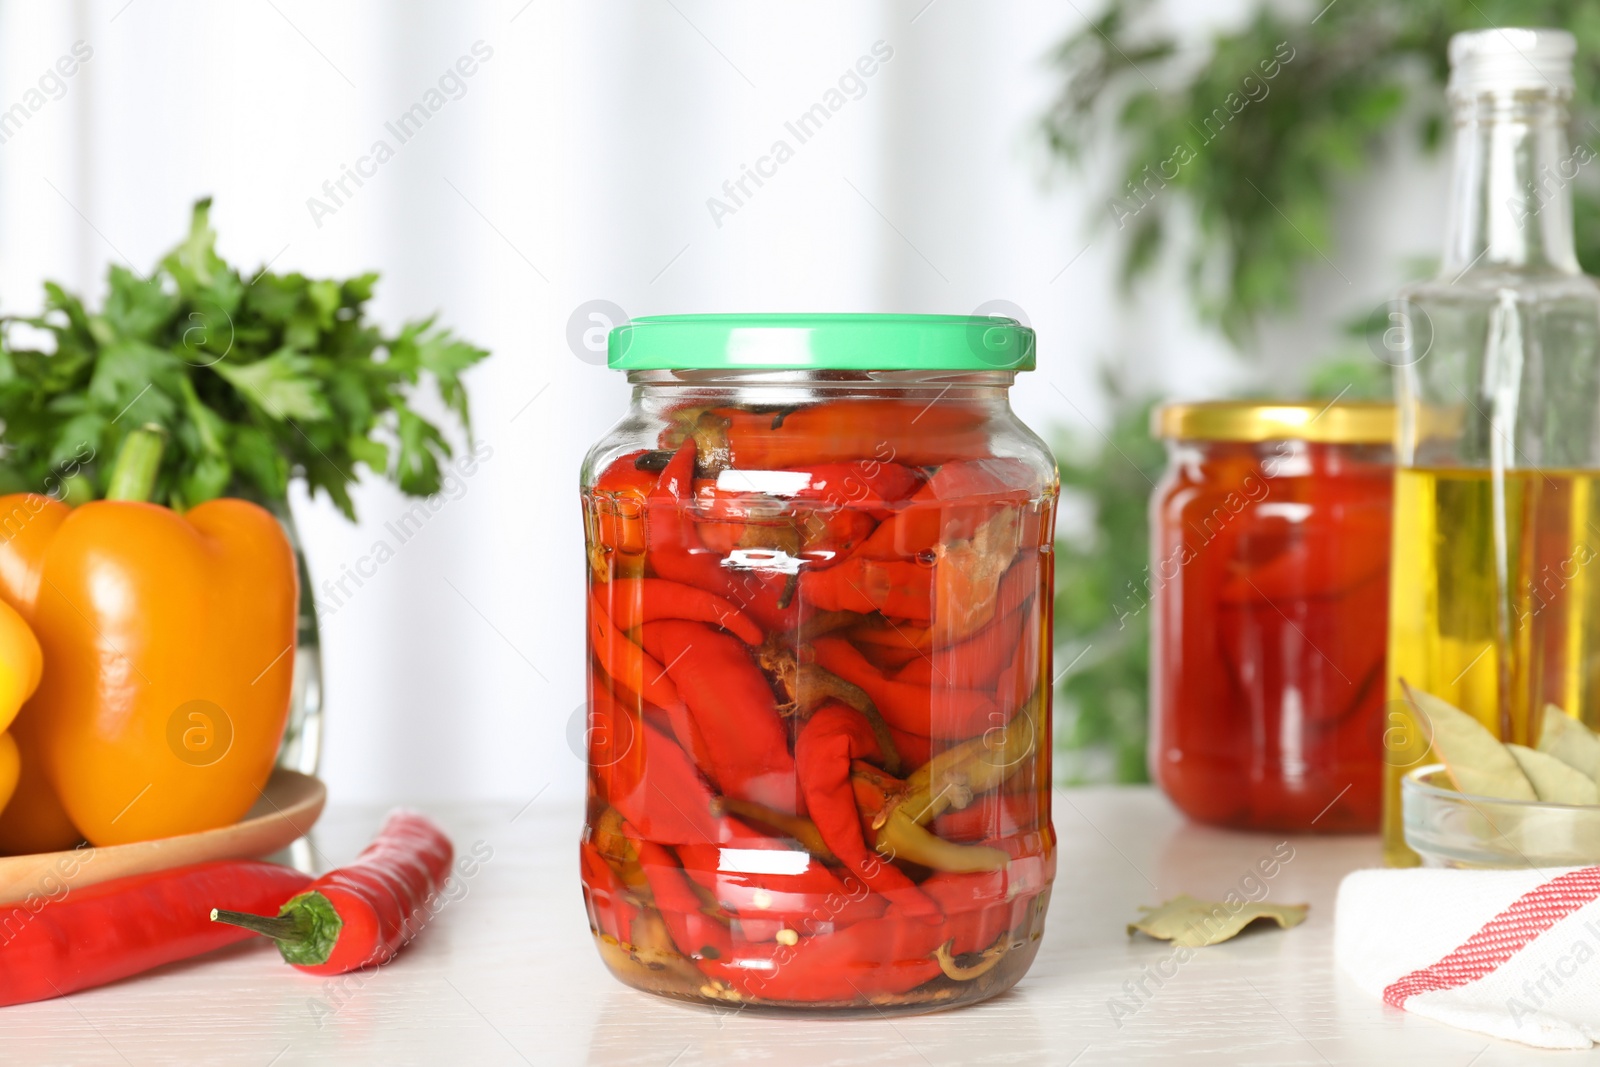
(289,806)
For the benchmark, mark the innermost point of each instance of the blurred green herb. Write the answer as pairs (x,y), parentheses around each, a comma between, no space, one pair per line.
(257,382)
(1101,614)
(1257,159)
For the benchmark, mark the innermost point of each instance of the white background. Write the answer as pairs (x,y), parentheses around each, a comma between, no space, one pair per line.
(577,166)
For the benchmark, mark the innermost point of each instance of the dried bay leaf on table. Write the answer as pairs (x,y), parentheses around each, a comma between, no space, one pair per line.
(1195,923)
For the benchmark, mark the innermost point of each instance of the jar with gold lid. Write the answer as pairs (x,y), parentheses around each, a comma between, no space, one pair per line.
(1268,585)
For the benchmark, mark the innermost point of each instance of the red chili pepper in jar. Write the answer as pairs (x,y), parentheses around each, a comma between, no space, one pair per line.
(950,507)
(615,512)
(103,932)
(818,513)
(977,661)
(911,432)
(887,956)
(361,915)
(734,711)
(901,588)
(832,737)
(676,551)
(916,709)
(662,794)
(633,601)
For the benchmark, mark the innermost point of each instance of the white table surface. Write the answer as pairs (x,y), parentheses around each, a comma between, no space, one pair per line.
(507,975)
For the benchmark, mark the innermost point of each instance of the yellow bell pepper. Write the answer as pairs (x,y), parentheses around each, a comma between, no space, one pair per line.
(21,665)
(10,768)
(33,820)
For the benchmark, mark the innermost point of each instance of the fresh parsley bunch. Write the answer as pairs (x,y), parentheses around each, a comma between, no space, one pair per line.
(257,381)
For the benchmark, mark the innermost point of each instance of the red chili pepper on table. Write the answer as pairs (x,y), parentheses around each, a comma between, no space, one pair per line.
(360,915)
(100,933)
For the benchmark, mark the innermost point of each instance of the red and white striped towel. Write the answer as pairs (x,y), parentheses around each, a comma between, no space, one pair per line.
(1513,954)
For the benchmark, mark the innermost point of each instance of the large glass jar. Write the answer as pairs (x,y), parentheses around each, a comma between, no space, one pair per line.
(819,573)
(1269,576)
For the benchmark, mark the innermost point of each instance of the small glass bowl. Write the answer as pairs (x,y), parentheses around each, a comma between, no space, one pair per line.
(1451,829)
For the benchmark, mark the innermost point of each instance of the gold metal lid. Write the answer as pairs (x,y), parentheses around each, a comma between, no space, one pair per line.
(1350,422)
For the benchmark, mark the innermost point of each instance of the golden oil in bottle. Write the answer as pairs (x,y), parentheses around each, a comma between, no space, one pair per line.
(1494,606)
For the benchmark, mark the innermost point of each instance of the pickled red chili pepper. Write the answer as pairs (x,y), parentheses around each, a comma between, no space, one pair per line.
(617,516)
(633,601)
(888,955)
(628,663)
(834,736)
(961,713)
(949,507)
(823,692)
(676,551)
(899,588)
(734,711)
(735,512)
(907,432)
(616,908)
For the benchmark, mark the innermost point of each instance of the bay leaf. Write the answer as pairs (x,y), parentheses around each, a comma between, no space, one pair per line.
(1476,760)
(1568,740)
(1196,923)
(1553,780)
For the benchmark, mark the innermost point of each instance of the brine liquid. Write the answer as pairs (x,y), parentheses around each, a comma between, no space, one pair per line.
(1494,606)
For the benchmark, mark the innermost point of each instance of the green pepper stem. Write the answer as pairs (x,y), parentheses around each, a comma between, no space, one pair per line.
(306,928)
(280,928)
(133,476)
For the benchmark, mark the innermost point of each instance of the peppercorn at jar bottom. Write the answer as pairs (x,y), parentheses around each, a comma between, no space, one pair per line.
(819,708)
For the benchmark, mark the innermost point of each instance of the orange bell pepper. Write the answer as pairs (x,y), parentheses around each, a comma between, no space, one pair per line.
(169,652)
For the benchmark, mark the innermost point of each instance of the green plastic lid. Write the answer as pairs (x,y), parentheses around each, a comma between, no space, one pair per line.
(821,342)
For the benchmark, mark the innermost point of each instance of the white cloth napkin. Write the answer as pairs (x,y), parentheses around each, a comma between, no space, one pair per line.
(1513,954)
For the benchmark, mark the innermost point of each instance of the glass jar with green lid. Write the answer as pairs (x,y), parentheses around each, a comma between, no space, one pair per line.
(818,614)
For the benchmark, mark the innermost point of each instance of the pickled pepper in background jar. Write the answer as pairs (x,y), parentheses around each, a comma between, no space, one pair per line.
(819,633)
(1268,586)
